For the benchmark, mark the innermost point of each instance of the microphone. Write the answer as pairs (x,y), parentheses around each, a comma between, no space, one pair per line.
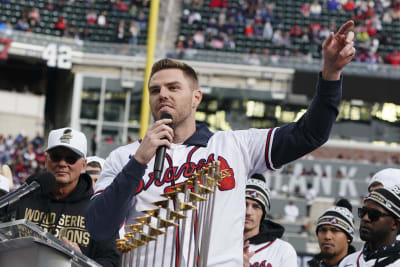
(160,153)
(45,181)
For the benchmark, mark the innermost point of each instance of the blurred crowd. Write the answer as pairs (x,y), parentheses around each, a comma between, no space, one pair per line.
(260,18)
(250,18)
(25,157)
(30,18)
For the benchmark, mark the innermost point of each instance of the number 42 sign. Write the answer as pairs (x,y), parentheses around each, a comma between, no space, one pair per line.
(58,56)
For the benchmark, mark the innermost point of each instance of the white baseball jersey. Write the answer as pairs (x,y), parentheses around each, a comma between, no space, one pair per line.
(357,260)
(241,153)
(276,253)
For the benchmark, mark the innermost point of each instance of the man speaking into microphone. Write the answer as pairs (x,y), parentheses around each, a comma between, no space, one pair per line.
(127,184)
(61,211)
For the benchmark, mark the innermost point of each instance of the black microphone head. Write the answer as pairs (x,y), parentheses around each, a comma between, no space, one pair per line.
(31,178)
(167,116)
(46,180)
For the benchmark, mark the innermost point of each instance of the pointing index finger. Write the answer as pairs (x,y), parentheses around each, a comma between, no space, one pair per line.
(345,27)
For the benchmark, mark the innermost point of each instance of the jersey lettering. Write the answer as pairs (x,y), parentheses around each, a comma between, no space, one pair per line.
(173,173)
(261,264)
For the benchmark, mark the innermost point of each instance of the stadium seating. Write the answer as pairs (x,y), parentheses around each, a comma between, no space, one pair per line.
(290,14)
(74,13)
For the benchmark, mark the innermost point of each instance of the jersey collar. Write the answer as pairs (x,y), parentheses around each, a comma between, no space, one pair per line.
(200,137)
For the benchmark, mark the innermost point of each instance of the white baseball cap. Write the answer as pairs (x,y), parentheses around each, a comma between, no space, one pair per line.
(4,184)
(387,177)
(70,138)
(96,159)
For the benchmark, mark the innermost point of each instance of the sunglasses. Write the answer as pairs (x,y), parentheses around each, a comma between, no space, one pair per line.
(70,159)
(373,215)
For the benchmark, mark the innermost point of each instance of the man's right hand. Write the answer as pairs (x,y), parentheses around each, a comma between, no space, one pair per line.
(247,254)
(160,134)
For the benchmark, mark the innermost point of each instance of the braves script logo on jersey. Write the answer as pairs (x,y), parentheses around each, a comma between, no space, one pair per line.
(173,173)
(261,264)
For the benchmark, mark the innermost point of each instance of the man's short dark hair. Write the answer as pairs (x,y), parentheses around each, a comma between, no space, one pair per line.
(167,63)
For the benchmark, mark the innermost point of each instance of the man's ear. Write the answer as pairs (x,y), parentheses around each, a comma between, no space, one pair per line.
(397,221)
(396,225)
(197,97)
(84,165)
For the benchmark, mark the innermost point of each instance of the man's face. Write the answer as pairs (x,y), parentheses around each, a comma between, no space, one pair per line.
(94,173)
(376,230)
(332,241)
(65,165)
(171,92)
(254,213)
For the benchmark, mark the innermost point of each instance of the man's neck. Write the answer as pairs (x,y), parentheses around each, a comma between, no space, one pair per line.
(377,245)
(250,233)
(63,190)
(335,260)
(183,131)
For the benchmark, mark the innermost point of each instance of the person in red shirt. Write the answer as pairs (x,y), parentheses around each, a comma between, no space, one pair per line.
(315,25)
(219,3)
(60,25)
(295,31)
(349,6)
(394,58)
(249,30)
(120,6)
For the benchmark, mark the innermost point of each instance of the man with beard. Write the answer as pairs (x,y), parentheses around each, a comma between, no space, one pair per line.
(335,231)
(380,222)
(265,248)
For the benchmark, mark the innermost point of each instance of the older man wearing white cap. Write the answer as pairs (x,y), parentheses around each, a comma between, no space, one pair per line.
(62,211)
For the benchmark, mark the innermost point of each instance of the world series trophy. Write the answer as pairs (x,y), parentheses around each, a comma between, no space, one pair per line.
(23,243)
(186,210)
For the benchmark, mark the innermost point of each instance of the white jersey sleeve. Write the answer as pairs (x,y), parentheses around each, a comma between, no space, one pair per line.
(256,146)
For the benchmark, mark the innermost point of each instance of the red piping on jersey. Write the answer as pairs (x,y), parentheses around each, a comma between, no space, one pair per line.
(358,260)
(264,247)
(267,149)
(122,224)
(98,192)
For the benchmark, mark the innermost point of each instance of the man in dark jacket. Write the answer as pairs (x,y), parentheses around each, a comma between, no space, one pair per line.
(335,231)
(61,212)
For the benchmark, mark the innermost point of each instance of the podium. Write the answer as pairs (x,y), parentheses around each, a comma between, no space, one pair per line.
(23,243)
